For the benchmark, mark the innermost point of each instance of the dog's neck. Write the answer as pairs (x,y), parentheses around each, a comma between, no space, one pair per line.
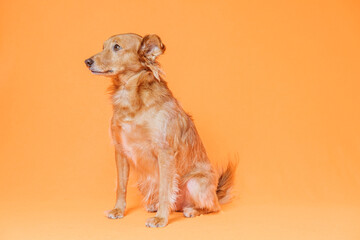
(124,94)
(136,90)
(127,79)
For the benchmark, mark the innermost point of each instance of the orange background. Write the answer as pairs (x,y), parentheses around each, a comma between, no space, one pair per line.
(275,81)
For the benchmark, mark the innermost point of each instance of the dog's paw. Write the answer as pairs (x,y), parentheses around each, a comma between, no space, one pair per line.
(155,222)
(190,212)
(152,207)
(115,213)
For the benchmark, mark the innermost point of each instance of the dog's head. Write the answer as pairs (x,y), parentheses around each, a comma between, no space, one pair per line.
(127,53)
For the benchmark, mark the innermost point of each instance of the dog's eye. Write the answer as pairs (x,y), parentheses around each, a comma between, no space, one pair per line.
(117,47)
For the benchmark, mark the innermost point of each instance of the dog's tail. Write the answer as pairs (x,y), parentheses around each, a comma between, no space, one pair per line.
(226,182)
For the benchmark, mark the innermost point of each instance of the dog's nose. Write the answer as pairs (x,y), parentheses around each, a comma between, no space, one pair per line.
(89,62)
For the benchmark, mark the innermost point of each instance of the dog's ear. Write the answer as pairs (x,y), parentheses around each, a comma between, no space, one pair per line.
(151,47)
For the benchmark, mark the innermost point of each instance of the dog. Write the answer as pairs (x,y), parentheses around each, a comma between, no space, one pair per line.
(154,136)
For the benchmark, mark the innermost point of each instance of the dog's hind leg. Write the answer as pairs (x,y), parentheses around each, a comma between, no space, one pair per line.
(152,207)
(201,196)
(149,189)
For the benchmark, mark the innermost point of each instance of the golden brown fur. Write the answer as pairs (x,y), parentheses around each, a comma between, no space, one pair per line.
(153,134)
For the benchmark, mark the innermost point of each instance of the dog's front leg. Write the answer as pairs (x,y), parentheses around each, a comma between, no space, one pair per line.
(167,172)
(122,167)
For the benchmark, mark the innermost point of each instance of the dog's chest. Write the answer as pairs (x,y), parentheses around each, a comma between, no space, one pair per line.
(134,141)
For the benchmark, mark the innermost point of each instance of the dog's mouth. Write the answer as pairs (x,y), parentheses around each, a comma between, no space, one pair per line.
(98,72)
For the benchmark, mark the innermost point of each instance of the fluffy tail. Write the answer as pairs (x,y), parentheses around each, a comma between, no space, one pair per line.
(226,182)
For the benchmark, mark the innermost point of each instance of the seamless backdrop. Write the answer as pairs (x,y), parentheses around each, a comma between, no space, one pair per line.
(276,82)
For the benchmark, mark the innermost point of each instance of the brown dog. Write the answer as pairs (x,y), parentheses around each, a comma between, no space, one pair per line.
(155,136)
